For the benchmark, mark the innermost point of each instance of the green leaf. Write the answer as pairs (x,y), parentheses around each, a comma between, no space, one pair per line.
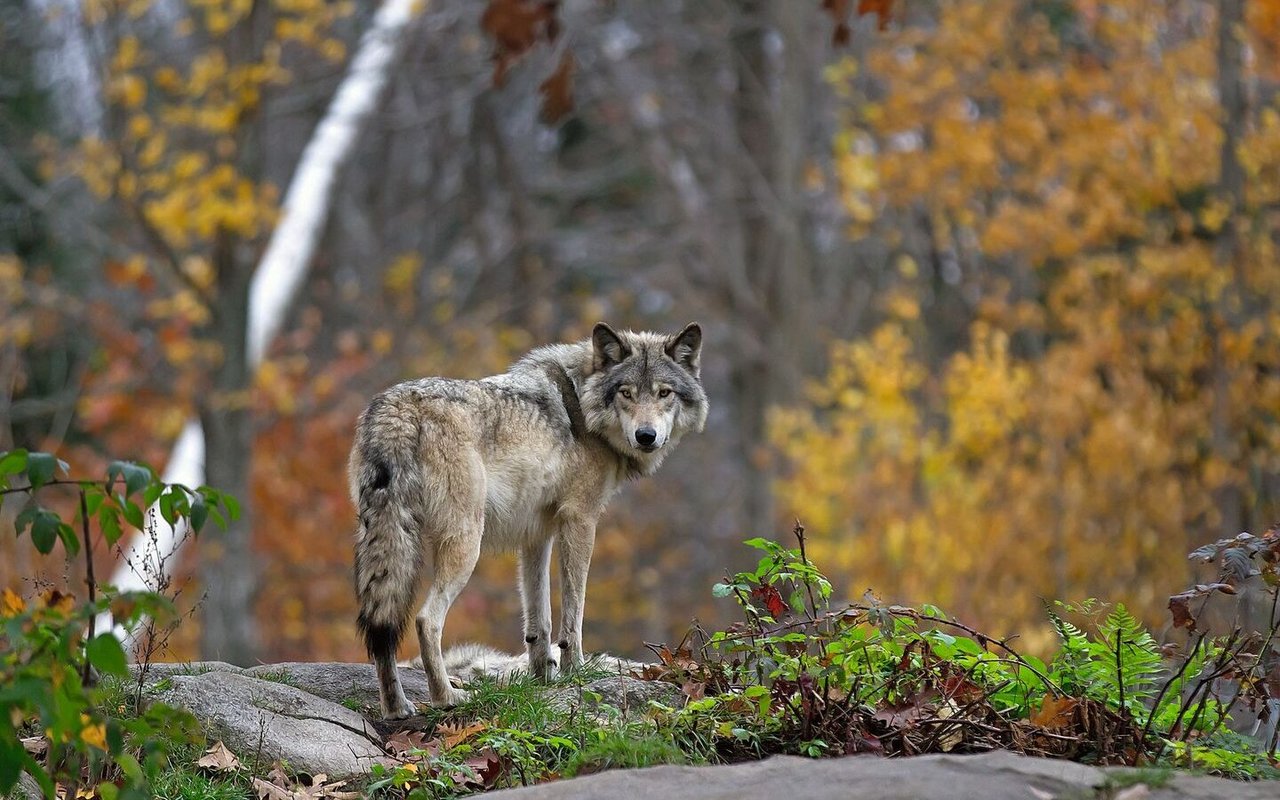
(70,542)
(105,653)
(135,477)
(721,590)
(93,498)
(25,517)
(231,505)
(109,523)
(40,468)
(132,513)
(44,530)
(166,508)
(13,462)
(199,512)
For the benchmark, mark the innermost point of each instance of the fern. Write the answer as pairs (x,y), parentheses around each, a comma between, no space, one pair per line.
(1135,663)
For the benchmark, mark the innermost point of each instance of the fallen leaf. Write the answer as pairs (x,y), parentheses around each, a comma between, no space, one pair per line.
(403,741)
(269,791)
(1055,712)
(454,735)
(218,759)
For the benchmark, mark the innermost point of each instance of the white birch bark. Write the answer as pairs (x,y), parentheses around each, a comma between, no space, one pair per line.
(284,265)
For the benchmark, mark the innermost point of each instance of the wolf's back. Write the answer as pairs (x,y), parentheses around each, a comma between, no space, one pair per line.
(386,477)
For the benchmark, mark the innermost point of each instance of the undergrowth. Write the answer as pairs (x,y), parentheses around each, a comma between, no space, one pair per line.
(799,673)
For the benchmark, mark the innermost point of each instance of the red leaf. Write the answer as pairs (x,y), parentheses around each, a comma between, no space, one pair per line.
(557,91)
(772,600)
(515,26)
(881,8)
(1180,608)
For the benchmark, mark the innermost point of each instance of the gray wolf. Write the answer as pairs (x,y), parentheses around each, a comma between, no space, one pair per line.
(444,469)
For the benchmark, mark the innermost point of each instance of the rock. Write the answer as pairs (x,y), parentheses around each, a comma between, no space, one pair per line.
(158,671)
(354,686)
(25,789)
(263,721)
(991,776)
(623,692)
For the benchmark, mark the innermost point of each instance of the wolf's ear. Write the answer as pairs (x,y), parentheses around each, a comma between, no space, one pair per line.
(607,347)
(686,347)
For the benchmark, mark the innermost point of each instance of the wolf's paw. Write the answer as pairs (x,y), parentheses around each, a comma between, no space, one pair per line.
(542,666)
(452,697)
(401,711)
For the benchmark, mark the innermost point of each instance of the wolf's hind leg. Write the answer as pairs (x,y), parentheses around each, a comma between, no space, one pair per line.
(535,595)
(386,571)
(455,557)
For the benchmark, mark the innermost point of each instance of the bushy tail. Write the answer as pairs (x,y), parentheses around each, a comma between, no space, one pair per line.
(387,488)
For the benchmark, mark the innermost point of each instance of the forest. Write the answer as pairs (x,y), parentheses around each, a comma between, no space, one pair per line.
(988,289)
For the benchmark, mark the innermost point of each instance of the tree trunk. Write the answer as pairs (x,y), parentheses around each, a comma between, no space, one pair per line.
(770,110)
(228,570)
(1229,497)
(259,307)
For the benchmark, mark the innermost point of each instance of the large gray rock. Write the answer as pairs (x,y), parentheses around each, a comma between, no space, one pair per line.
(623,692)
(354,686)
(25,789)
(158,671)
(992,776)
(264,721)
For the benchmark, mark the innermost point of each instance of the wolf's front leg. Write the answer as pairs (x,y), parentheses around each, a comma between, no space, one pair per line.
(576,543)
(535,596)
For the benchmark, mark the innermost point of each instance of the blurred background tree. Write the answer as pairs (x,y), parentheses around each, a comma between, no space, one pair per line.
(1074,378)
(987,286)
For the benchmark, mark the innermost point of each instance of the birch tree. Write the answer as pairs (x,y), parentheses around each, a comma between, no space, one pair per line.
(187,162)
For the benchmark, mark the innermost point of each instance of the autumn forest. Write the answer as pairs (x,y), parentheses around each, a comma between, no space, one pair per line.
(988,288)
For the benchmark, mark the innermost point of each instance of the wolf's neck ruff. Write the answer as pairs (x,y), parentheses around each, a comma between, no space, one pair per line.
(520,461)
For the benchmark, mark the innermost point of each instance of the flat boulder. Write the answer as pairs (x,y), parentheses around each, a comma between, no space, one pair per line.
(354,686)
(991,776)
(264,721)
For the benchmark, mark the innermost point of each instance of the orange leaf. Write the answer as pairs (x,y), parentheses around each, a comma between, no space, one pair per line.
(515,26)
(881,8)
(557,91)
(1056,712)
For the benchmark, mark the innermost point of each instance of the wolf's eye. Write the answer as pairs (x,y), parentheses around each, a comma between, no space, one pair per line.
(664,393)
(625,393)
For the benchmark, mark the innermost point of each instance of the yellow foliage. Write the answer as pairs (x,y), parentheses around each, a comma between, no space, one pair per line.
(1117,375)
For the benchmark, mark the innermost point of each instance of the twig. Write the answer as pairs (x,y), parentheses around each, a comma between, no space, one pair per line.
(808,584)
(1155,705)
(89,579)
(1119,669)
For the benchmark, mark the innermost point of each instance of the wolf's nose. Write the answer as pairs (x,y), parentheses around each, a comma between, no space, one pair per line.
(645,437)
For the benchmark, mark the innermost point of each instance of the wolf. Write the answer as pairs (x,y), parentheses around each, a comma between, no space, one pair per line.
(442,469)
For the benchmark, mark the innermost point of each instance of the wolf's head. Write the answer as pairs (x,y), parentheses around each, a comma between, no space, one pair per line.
(644,391)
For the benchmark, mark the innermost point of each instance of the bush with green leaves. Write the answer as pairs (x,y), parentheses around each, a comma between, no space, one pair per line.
(799,674)
(58,721)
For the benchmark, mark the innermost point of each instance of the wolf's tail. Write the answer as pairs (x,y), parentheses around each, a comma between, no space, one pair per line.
(387,487)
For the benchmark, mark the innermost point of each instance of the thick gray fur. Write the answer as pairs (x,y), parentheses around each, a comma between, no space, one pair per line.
(444,469)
